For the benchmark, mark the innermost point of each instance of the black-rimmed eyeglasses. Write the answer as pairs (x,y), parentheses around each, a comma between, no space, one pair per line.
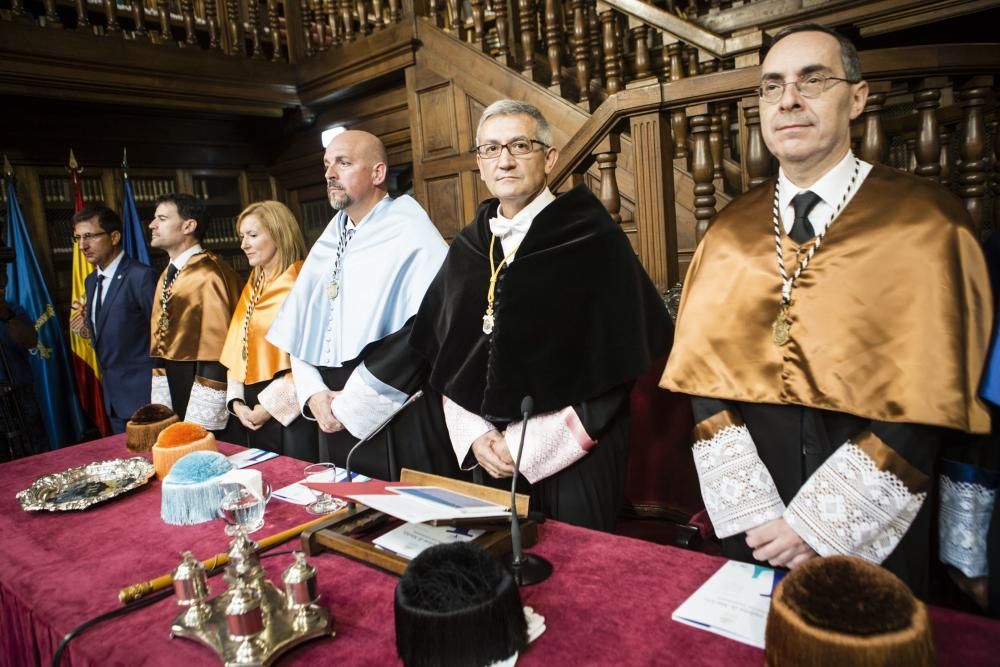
(515,148)
(809,86)
(79,238)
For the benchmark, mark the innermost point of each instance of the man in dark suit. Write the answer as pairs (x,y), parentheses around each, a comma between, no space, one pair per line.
(116,314)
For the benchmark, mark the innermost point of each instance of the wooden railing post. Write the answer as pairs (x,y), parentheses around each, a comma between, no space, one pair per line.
(82,19)
(164,7)
(503,43)
(477,22)
(581,53)
(362,11)
(755,158)
(996,175)
(212,21)
(236,45)
(553,44)
(612,73)
(655,216)
(51,16)
(307,41)
(974,164)
(874,145)
(274,27)
(678,120)
(187,14)
(139,18)
(528,29)
(946,159)
(715,145)
(642,62)
(253,18)
(701,169)
(607,161)
(328,22)
(595,37)
(928,150)
(347,23)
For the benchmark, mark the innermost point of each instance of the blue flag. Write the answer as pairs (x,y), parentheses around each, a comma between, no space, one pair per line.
(54,387)
(133,241)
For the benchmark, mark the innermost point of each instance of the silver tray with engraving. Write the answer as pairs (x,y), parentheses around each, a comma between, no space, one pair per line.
(79,488)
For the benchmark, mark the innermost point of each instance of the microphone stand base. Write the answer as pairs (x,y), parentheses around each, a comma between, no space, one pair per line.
(531,570)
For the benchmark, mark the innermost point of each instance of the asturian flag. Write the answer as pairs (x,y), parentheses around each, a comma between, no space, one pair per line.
(85,369)
(54,391)
(133,241)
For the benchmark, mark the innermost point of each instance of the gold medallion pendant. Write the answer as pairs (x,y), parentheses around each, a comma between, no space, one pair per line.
(333,289)
(164,324)
(781,327)
(488,324)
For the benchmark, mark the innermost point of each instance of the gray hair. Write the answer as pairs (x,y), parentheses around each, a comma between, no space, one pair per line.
(848,54)
(517,108)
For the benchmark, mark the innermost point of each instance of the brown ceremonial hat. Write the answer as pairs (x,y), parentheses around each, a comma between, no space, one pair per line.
(145,424)
(841,610)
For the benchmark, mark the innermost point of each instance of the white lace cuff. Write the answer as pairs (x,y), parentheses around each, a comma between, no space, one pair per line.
(464,428)
(278,398)
(365,402)
(160,391)
(964,522)
(234,392)
(554,441)
(207,405)
(736,486)
(851,506)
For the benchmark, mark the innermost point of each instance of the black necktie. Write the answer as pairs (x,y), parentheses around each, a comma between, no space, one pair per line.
(171,274)
(98,299)
(802,203)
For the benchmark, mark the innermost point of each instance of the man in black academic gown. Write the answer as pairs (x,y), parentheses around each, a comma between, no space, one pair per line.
(540,296)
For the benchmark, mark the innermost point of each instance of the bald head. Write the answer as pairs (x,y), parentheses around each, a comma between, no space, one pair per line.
(356,167)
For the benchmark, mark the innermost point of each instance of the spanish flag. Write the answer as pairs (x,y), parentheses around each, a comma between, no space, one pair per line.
(84,359)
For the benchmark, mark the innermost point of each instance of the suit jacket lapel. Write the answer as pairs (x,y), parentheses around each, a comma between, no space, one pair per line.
(88,289)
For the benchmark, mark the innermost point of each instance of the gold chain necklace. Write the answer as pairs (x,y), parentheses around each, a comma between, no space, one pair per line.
(255,294)
(488,320)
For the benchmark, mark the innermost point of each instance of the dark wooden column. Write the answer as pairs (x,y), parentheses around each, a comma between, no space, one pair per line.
(973,170)
(655,216)
(874,144)
(701,169)
(928,149)
(606,154)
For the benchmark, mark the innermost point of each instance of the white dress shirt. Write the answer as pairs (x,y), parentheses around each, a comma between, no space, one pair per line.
(831,187)
(183,258)
(511,231)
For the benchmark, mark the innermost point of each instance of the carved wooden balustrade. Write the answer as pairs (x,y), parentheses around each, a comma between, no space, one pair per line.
(585,50)
(932,112)
(248,28)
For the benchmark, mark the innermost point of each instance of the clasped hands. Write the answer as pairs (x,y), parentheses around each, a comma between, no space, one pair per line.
(776,543)
(490,450)
(254,418)
(321,406)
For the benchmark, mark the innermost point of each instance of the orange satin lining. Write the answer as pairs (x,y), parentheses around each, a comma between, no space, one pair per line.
(264,359)
(891,320)
(707,428)
(886,458)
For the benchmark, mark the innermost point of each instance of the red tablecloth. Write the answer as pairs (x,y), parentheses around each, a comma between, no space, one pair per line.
(608,602)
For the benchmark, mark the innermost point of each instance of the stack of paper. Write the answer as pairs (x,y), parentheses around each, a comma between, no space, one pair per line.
(733,603)
(410,539)
(418,504)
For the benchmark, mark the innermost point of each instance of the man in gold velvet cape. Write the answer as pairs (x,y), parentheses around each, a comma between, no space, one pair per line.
(821,399)
(193,304)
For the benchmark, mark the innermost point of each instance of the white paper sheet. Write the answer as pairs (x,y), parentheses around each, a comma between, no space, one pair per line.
(410,539)
(733,603)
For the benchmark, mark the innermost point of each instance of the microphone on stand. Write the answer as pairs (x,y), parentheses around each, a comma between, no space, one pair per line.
(527,569)
(378,429)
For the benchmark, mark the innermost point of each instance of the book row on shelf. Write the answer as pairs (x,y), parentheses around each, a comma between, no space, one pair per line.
(61,235)
(200,187)
(60,190)
(222,231)
(148,189)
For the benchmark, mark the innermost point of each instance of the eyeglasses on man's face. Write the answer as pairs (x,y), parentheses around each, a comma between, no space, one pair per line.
(515,148)
(809,86)
(80,238)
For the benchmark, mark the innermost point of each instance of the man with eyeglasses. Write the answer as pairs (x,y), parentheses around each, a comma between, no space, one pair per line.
(539,296)
(832,328)
(115,316)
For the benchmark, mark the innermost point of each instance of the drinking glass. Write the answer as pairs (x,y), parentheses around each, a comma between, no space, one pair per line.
(324,503)
(241,509)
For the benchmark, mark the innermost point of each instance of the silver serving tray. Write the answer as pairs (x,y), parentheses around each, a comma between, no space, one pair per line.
(79,488)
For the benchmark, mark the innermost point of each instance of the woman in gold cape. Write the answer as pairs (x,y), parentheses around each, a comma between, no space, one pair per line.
(260,388)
